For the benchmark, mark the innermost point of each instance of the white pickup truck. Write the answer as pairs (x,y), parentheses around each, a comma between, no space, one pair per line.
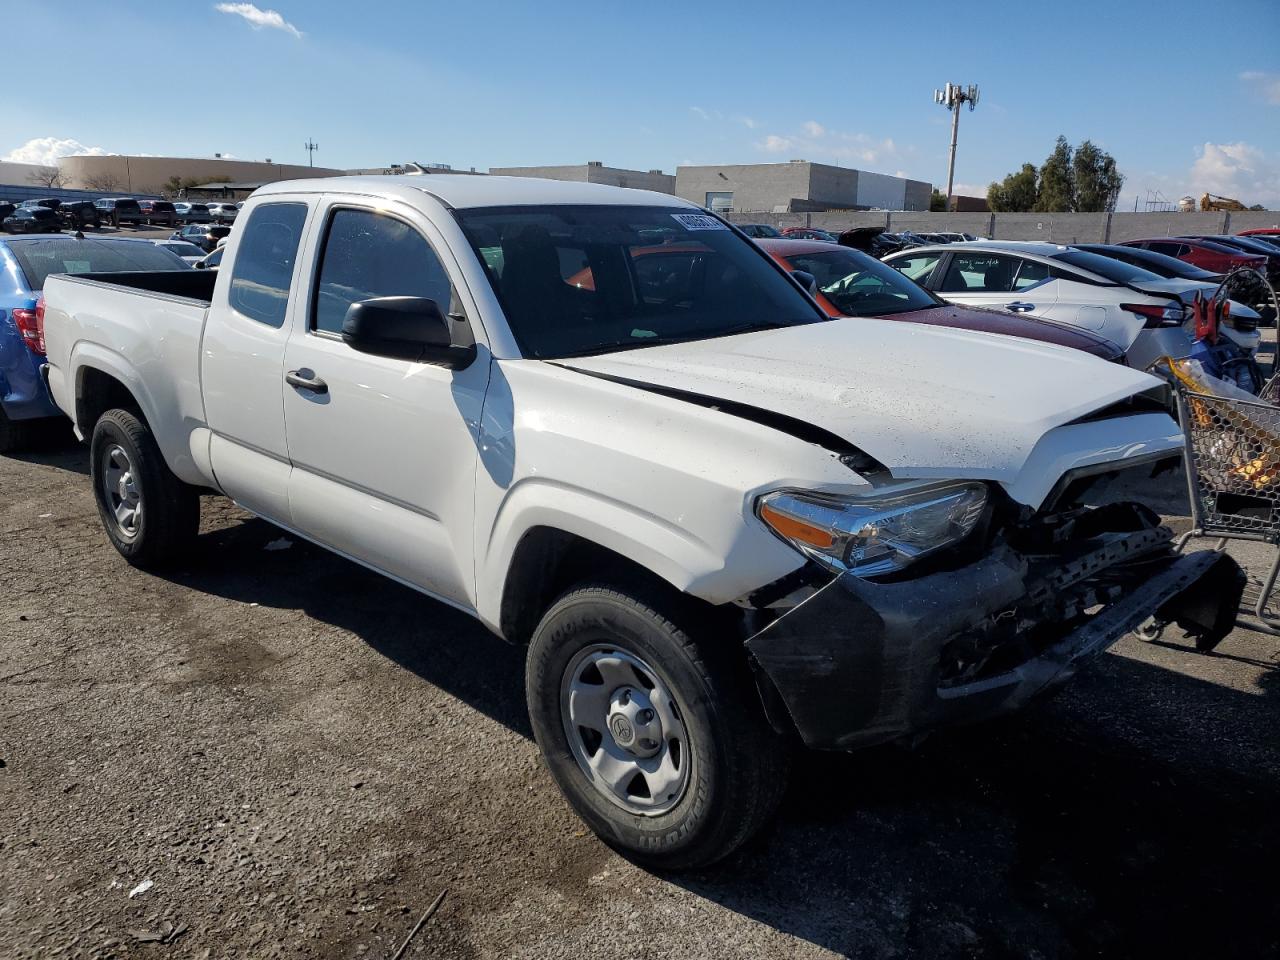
(606,424)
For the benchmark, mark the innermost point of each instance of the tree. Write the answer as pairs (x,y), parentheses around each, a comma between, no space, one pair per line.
(47,177)
(105,182)
(937,202)
(1095,179)
(1016,193)
(1056,190)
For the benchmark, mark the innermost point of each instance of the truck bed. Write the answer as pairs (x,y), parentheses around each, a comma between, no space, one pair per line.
(121,324)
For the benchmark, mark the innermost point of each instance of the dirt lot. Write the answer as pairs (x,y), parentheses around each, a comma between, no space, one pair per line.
(276,753)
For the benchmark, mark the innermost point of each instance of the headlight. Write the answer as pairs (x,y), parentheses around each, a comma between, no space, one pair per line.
(874,535)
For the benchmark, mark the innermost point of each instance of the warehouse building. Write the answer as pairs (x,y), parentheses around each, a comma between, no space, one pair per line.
(131,175)
(797,187)
(595,171)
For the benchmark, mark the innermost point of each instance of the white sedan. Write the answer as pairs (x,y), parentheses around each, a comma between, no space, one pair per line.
(1141,312)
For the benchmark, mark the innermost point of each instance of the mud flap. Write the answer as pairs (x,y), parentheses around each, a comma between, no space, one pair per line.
(1207,609)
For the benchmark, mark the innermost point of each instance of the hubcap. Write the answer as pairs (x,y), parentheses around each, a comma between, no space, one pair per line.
(120,489)
(625,730)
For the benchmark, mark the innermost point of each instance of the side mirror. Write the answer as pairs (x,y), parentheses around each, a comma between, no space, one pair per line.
(404,328)
(806,280)
(201,265)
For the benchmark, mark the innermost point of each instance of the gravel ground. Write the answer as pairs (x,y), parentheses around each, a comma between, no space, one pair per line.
(274,753)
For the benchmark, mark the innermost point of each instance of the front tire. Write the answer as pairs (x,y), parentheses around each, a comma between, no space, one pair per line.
(150,516)
(653,732)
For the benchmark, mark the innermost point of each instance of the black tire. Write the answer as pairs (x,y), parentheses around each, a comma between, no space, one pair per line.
(169,515)
(738,763)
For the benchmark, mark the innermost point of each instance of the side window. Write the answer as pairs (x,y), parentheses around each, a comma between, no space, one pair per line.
(1031,273)
(368,255)
(979,273)
(263,268)
(918,268)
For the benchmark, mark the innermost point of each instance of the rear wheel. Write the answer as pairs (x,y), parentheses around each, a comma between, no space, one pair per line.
(653,733)
(151,517)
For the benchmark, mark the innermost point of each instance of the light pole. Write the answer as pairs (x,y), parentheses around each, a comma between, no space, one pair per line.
(952,96)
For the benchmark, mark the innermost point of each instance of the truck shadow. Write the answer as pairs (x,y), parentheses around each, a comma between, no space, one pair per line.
(1133,815)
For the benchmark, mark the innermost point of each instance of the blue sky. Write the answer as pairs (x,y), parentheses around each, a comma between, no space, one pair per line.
(1185,95)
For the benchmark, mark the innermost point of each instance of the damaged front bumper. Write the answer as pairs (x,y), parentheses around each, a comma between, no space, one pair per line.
(861,662)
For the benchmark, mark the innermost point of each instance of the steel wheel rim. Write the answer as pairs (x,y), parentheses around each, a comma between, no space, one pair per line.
(121,491)
(625,730)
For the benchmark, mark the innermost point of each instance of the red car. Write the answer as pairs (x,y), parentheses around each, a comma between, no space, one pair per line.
(1261,232)
(849,283)
(1205,254)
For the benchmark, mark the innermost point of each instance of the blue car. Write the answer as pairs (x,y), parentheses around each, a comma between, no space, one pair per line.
(25,407)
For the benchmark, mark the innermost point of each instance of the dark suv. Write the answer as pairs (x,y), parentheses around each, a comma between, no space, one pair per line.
(32,220)
(80,213)
(159,212)
(118,210)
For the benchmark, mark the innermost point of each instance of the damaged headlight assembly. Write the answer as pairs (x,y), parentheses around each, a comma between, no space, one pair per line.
(870,536)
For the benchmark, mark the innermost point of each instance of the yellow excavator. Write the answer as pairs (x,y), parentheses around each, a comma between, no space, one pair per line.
(1213,203)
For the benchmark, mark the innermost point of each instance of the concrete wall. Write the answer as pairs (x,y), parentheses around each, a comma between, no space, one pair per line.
(1051,227)
(879,190)
(593,173)
(149,174)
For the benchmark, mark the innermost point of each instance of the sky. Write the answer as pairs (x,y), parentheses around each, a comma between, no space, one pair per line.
(1185,95)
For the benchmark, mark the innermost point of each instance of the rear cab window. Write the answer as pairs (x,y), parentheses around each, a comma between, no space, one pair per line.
(262,273)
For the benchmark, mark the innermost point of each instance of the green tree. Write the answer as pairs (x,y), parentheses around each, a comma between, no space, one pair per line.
(1095,179)
(937,202)
(1056,189)
(1016,193)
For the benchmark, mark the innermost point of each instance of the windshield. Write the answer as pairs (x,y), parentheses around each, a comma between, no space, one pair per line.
(861,286)
(1117,271)
(183,249)
(577,280)
(1157,263)
(39,258)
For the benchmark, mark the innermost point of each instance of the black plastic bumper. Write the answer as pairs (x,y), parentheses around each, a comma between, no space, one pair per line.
(860,662)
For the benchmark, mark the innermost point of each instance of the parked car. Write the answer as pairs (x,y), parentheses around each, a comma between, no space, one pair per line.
(32,220)
(1272,240)
(1140,311)
(223,212)
(810,233)
(1214,257)
(192,212)
(189,252)
(848,283)
(720,520)
(203,235)
(78,214)
(118,210)
(1251,246)
(1261,232)
(160,212)
(6,208)
(49,203)
(758,231)
(25,263)
(872,240)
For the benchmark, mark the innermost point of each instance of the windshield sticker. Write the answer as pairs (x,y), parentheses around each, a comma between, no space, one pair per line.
(697,221)
(77,266)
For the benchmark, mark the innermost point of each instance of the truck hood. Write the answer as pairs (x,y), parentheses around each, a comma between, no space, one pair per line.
(923,401)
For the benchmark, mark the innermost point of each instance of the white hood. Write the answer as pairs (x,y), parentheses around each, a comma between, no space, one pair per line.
(924,401)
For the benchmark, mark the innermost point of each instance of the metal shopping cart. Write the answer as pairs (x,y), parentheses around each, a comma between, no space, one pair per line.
(1233,481)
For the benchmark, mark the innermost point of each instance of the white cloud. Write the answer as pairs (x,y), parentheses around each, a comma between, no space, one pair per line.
(259,18)
(1266,85)
(816,142)
(46,151)
(748,122)
(1237,170)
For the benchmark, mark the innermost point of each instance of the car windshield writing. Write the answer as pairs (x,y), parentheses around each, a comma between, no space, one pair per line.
(589,279)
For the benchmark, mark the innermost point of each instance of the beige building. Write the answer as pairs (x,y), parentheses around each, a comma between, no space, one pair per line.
(125,174)
(595,171)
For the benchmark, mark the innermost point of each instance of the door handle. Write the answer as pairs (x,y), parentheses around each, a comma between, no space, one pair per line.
(301,380)
(1020,307)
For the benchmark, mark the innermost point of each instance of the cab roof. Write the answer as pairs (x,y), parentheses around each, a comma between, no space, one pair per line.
(463,191)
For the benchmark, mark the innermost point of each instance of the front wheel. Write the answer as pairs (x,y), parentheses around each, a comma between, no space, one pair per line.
(151,517)
(653,733)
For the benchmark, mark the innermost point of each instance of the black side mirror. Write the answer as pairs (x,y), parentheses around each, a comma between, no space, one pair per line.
(806,280)
(404,328)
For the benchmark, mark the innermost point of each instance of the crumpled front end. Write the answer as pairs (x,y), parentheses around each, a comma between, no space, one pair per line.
(863,661)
